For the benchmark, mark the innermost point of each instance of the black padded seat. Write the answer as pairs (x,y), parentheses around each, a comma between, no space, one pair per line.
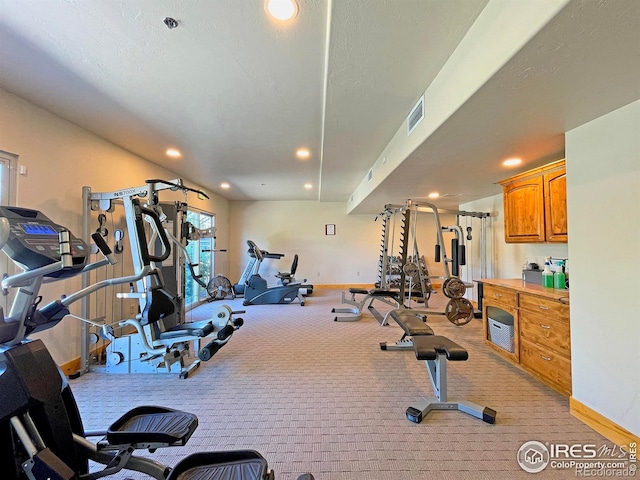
(363,291)
(159,305)
(150,424)
(428,348)
(192,329)
(411,323)
(381,292)
(240,464)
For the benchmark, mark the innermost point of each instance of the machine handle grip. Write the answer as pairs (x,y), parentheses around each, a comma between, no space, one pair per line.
(161,233)
(256,251)
(103,247)
(455,270)
(437,253)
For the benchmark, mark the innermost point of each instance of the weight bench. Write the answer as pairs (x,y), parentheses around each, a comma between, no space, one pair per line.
(436,351)
(389,297)
(412,323)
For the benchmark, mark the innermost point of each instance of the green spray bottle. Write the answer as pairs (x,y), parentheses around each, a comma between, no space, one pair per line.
(559,278)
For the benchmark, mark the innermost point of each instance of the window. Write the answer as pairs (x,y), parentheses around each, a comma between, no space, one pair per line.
(200,253)
(8,164)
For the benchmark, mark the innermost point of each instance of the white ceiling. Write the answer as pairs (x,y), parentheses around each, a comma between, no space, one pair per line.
(238,93)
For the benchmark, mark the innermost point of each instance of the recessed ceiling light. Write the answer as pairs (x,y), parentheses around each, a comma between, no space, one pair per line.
(512,162)
(173,153)
(434,195)
(303,153)
(282,10)
(308,186)
(225,185)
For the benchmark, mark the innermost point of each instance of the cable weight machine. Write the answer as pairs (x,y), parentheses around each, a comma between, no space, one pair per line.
(407,271)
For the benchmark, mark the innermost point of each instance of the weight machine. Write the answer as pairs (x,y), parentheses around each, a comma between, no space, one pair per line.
(161,337)
(42,434)
(408,271)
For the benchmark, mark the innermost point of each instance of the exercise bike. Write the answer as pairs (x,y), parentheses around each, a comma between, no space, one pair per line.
(40,426)
(257,292)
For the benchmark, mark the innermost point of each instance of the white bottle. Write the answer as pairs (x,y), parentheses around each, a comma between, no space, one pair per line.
(547,274)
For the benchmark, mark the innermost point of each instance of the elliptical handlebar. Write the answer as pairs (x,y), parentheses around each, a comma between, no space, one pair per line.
(5,230)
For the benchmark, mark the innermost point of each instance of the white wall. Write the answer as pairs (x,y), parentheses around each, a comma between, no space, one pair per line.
(60,159)
(349,257)
(603,198)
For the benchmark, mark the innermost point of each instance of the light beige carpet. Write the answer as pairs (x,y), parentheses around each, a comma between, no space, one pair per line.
(315,395)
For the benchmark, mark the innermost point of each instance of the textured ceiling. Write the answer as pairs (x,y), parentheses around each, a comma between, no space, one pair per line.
(238,93)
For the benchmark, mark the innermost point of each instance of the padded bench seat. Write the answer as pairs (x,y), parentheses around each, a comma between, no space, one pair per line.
(192,329)
(428,348)
(411,323)
(362,291)
(382,292)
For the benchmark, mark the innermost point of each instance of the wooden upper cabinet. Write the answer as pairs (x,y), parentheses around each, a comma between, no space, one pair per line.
(524,211)
(555,205)
(535,205)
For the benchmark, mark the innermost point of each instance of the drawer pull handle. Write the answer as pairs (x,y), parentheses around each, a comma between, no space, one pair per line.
(545,326)
(542,307)
(498,295)
(548,359)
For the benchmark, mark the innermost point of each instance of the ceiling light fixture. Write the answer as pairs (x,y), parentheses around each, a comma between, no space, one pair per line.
(282,10)
(308,186)
(303,153)
(512,162)
(225,186)
(434,195)
(173,153)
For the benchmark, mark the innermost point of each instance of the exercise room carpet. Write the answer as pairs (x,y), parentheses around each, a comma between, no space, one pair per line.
(314,395)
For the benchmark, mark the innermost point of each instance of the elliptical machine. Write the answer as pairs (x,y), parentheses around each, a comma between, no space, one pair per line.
(257,292)
(40,426)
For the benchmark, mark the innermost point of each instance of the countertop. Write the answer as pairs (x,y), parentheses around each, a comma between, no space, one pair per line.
(533,288)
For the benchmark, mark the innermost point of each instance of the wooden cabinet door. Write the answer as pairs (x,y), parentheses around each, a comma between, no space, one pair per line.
(524,211)
(555,206)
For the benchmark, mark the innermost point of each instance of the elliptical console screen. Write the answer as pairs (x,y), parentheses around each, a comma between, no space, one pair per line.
(33,242)
(37,229)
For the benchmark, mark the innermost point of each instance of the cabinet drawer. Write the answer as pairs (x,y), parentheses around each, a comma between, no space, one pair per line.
(545,330)
(504,295)
(549,365)
(545,306)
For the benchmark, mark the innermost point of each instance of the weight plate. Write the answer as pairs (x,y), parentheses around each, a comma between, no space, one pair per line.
(453,287)
(459,311)
(411,269)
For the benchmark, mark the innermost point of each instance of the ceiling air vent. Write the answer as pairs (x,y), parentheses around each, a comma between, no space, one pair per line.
(415,116)
(369,174)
